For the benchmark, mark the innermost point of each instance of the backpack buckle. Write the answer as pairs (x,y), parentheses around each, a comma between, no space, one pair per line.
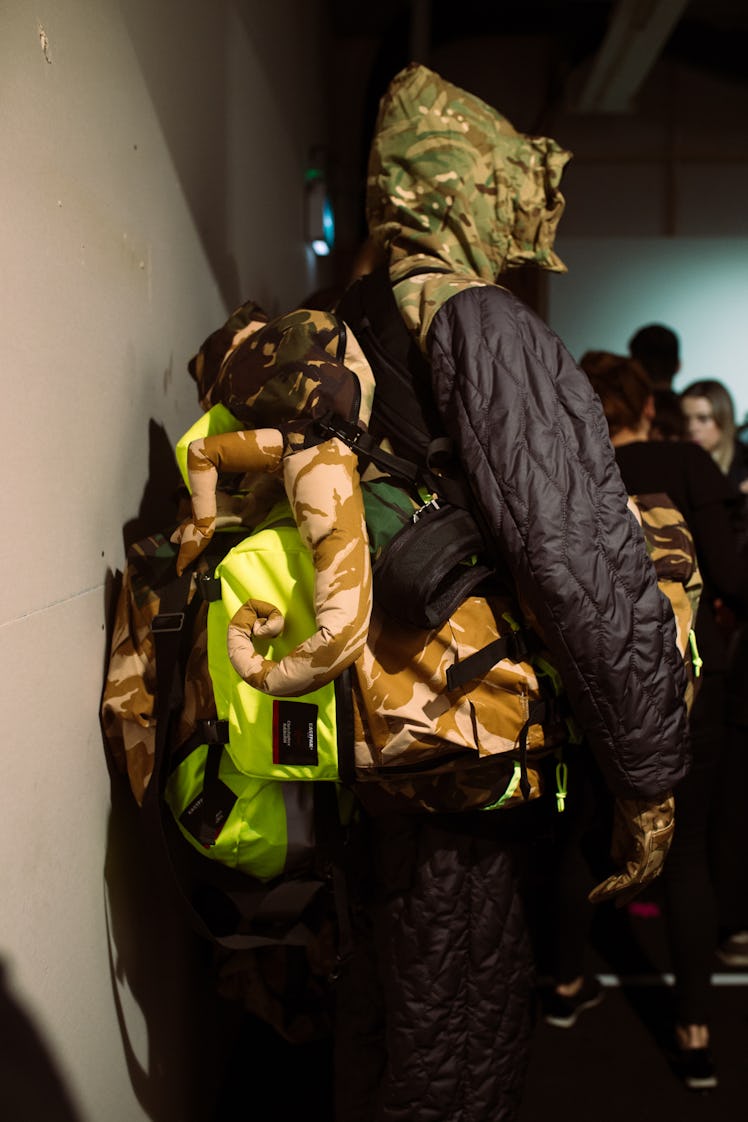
(432,504)
(165,622)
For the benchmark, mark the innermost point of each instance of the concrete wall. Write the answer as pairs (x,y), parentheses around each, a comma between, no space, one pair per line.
(152,178)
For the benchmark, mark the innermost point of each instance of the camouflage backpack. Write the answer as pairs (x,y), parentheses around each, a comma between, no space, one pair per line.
(452,698)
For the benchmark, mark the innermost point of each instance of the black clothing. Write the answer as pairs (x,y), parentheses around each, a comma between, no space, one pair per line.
(693,481)
(698,488)
(434,1009)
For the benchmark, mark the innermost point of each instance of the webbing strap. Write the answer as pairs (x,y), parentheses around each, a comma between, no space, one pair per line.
(344,728)
(513,646)
(332,835)
(452,489)
(361,442)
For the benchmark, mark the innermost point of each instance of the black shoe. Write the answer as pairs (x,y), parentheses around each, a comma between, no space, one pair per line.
(562,1012)
(696,1069)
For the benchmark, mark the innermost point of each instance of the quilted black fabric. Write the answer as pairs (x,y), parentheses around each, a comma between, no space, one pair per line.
(532,437)
(434,1011)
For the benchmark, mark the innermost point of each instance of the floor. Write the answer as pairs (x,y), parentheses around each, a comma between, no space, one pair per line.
(614,1064)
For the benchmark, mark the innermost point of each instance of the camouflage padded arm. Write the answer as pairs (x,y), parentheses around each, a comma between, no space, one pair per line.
(258,450)
(642,833)
(322,484)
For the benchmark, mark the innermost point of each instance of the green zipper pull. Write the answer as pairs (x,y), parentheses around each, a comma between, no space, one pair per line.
(562,775)
(696,659)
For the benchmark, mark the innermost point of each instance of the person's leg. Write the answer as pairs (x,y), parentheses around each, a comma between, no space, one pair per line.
(457,976)
(688,890)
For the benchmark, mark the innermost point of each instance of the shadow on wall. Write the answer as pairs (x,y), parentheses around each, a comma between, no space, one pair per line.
(159,505)
(31,1087)
(174,1026)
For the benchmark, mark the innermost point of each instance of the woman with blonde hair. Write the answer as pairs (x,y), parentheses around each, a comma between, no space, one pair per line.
(710,419)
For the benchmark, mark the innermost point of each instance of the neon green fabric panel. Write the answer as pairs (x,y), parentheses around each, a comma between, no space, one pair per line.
(253,837)
(217,419)
(272,738)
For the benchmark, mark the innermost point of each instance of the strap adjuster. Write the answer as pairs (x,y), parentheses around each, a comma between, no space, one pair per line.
(213,731)
(165,622)
(209,587)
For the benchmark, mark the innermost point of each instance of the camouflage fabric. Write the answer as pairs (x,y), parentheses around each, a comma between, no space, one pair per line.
(642,834)
(128,709)
(409,723)
(322,485)
(285,372)
(207,363)
(671,547)
(453,187)
(246,452)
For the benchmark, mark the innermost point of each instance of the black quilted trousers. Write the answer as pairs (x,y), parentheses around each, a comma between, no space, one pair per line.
(434,1010)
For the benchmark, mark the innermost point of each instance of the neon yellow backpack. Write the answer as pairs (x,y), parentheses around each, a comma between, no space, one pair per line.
(242,800)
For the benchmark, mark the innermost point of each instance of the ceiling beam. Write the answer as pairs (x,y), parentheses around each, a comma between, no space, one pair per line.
(636,35)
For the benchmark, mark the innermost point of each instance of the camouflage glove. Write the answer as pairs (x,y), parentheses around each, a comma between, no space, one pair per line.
(642,833)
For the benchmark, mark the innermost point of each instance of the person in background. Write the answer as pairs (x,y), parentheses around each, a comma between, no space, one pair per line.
(668,422)
(686,474)
(657,348)
(710,418)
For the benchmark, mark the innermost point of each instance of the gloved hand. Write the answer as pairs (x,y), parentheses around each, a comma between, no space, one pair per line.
(642,833)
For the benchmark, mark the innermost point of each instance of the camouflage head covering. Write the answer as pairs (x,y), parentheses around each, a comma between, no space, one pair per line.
(285,372)
(454,186)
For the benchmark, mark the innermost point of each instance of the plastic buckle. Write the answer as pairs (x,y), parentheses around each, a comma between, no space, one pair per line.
(214,731)
(165,622)
(432,504)
(333,426)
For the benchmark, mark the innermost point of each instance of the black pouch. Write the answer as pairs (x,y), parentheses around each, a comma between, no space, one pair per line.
(430,566)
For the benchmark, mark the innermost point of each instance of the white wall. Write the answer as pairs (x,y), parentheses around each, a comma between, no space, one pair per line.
(151,179)
(697,286)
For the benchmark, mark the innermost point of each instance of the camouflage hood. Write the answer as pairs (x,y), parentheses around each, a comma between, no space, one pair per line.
(453,187)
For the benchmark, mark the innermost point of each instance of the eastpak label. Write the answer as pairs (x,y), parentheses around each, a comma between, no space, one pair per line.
(295,733)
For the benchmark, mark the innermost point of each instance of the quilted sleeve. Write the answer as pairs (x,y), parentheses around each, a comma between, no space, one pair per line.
(534,442)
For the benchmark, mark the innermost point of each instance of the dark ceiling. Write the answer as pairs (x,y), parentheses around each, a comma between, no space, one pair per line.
(707,35)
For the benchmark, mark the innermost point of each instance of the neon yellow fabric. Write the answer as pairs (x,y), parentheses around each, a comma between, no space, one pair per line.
(273,565)
(253,837)
(216,420)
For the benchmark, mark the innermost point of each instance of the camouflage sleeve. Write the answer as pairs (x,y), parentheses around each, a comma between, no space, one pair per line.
(257,450)
(322,484)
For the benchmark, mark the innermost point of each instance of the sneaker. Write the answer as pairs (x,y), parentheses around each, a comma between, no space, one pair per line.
(563,1011)
(734,950)
(696,1069)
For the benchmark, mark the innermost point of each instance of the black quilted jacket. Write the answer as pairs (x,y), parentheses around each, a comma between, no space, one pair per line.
(533,439)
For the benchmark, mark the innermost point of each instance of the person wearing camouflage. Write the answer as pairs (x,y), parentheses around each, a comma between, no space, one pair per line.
(434,1007)
(434,1013)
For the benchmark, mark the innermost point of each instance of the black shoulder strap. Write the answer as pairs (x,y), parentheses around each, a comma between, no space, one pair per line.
(404,409)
